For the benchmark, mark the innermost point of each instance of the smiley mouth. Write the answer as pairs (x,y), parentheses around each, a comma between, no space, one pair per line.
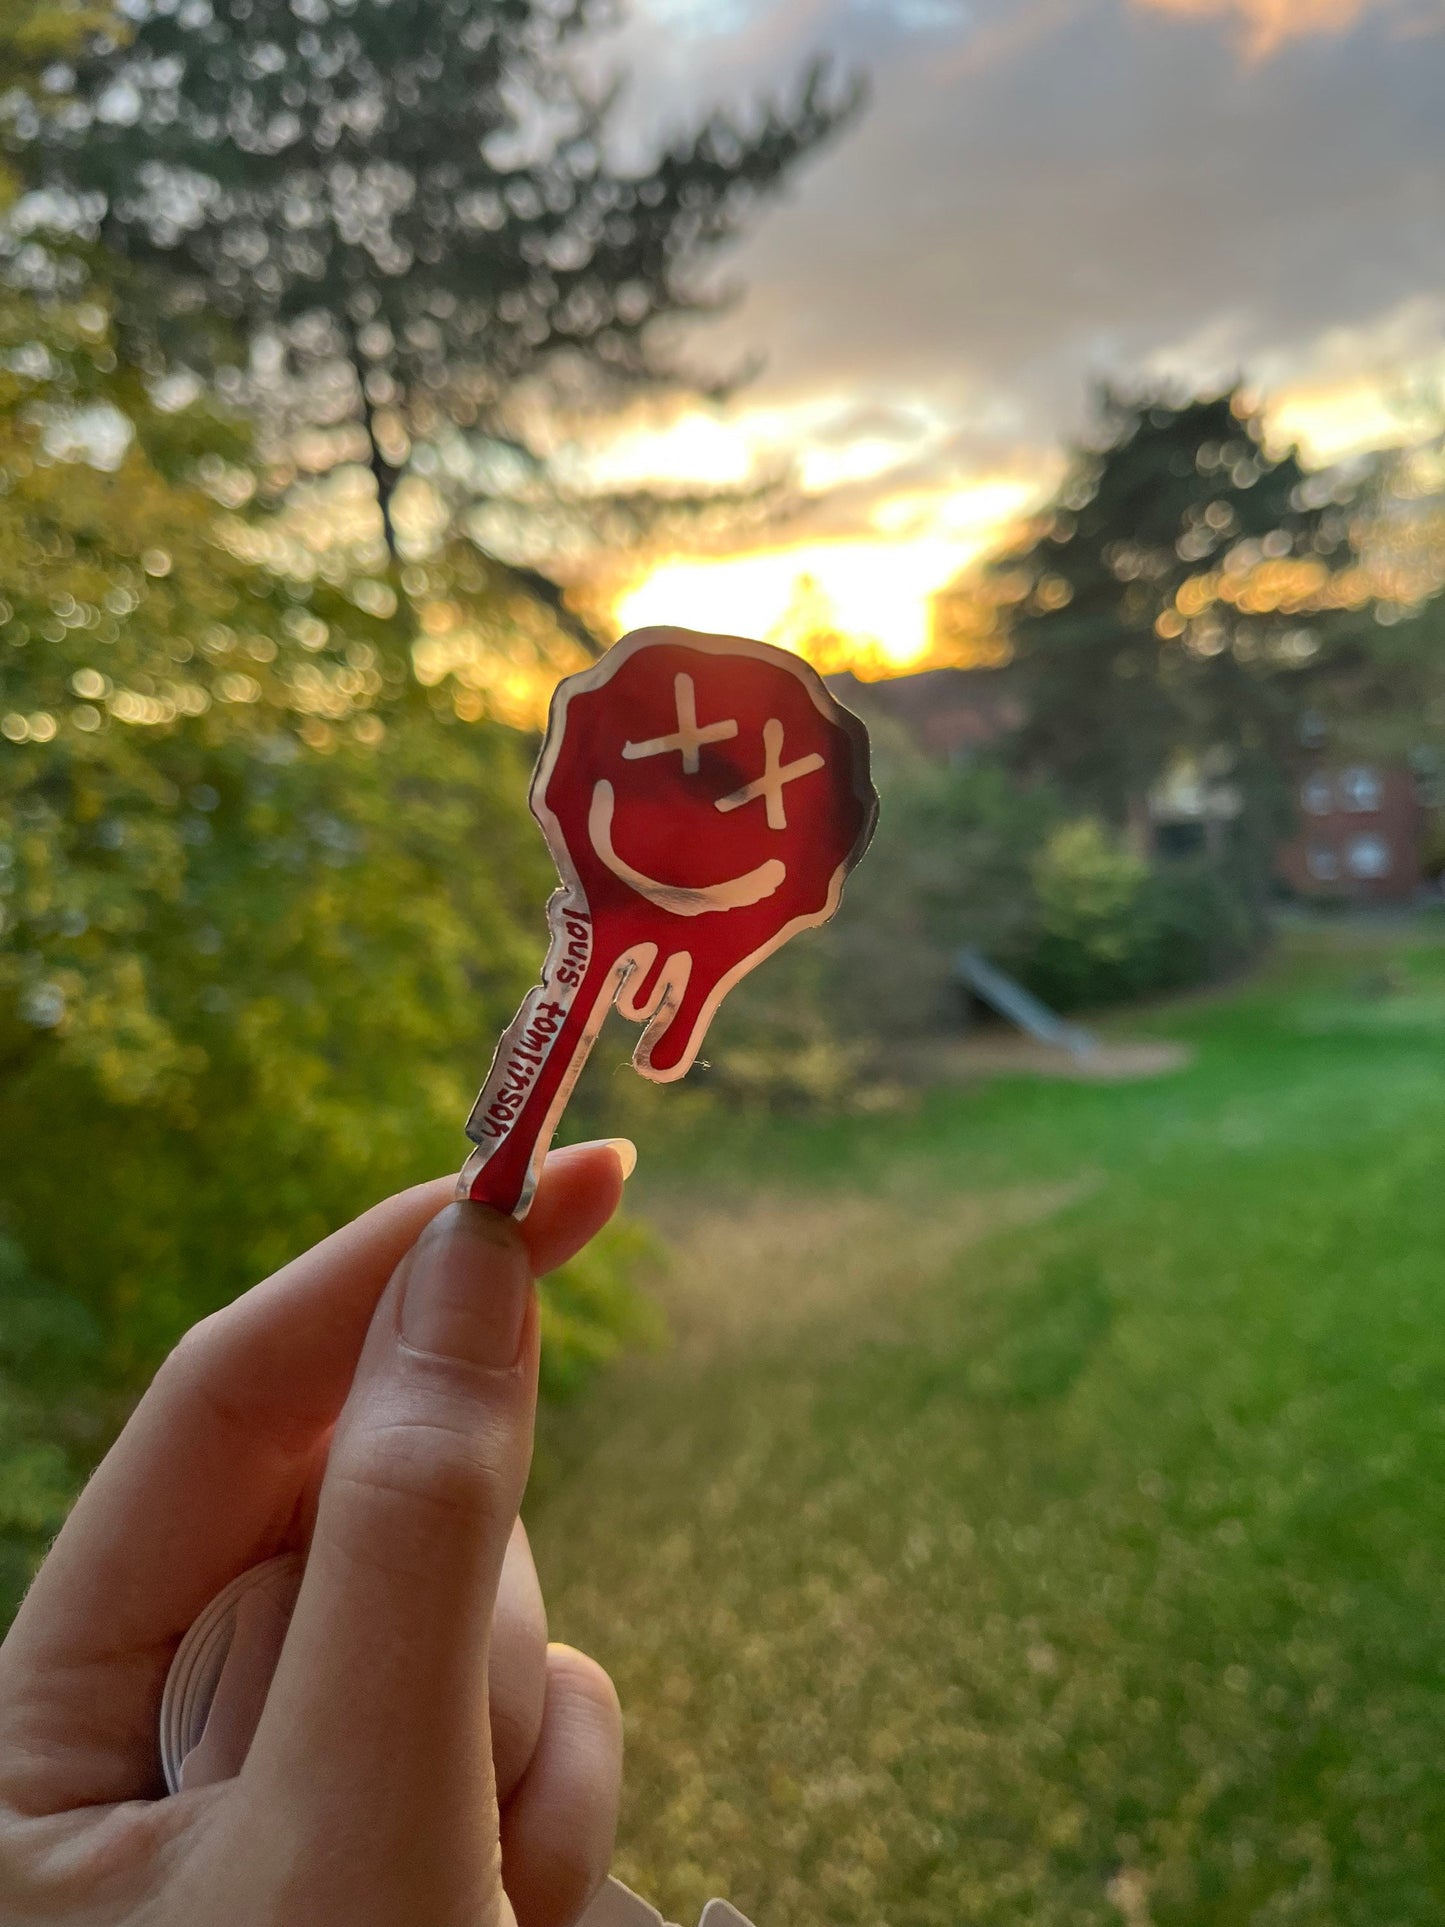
(683,900)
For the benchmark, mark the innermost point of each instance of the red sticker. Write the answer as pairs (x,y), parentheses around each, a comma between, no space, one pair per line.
(704,799)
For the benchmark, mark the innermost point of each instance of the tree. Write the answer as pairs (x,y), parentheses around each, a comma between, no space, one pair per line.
(407,212)
(1179,599)
(265,900)
(145,661)
(268,885)
(1392,702)
(34,34)
(265,903)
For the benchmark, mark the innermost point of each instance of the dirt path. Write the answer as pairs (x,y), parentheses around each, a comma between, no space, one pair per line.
(1005,1053)
(765,1267)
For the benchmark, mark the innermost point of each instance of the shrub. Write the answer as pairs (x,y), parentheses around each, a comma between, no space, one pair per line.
(592,1308)
(48,1344)
(1108,927)
(1094,932)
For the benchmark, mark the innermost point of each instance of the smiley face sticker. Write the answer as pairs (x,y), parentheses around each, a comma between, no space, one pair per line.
(704,799)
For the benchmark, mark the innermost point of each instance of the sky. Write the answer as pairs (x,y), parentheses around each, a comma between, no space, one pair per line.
(1041,193)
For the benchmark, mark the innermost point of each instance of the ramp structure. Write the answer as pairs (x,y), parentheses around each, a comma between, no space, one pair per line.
(1020,1007)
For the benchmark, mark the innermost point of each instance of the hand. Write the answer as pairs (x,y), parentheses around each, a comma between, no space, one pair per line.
(423,1758)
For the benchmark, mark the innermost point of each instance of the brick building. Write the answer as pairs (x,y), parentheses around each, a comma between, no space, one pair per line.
(1361,833)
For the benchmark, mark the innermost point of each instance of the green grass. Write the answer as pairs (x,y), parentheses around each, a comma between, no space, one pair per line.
(1038,1517)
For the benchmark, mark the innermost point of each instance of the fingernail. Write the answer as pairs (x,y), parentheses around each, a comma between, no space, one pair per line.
(467,1284)
(624,1147)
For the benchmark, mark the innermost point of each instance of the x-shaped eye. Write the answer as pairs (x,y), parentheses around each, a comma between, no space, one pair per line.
(774,780)
(687,738)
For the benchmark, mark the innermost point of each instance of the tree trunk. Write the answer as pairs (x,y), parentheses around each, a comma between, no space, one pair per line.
(383,474)
(1139,827)
(531,581)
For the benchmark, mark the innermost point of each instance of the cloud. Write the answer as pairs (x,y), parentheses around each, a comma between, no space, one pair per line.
(1268,24)
(1368,386)
(1088,196)
(1004,39)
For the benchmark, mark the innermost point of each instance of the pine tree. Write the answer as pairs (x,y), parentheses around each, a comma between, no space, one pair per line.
(1179,599)
(411,207)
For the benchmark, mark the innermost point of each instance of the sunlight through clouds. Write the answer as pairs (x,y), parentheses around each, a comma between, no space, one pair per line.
(823,441)
(697,448)
(882,592)
(878,590)
(1268,24)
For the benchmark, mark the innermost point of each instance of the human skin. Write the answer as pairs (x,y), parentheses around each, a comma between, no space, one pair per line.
(424,1758)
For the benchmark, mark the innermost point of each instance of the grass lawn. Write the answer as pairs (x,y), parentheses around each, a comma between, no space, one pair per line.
(1039,1513)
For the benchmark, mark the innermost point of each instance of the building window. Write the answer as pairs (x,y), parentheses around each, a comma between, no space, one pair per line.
(1369,858)
(1322,863)
(1361,790)
(1317,795)
(1180,839)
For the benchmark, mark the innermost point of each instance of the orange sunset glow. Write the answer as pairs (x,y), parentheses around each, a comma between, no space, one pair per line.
(877,590)
(874,592)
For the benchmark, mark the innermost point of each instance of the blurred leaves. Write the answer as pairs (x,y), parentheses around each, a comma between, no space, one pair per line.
(46,1341)
(1088,893)
(400,233)
(592,1309)
(266,899)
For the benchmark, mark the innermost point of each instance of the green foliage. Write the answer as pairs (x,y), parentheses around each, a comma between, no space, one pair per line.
(1108,928)
(969,856)
(35,34)
(265,901)
(327,974)
(268,885)
(1090,929)
(592,1309)
(1390,701)
(1207,926)
(950,868)
(47,1343)
(146,668)
(786,1041)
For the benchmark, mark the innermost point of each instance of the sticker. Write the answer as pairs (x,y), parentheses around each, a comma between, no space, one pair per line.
(704,799)
(618,1906)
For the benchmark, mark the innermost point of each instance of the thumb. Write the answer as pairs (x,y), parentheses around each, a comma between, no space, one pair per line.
(378,1712)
